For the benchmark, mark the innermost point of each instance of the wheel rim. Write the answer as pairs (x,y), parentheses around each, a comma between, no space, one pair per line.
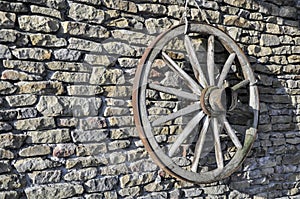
(212,104)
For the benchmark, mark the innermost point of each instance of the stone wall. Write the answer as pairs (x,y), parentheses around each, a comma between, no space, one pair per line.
(67,68)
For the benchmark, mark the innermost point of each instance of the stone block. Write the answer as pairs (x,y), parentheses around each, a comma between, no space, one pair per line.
(259,51)
(95,136)
(85,30)
(288,12)
(294,59)
(34,164)
(102,76)
(59,190)
(67,122)
(25,113)
(18,76)
(35,123)
(131,191)
(21,100)
(64,150)
(84,90)
(133,37)
(46,11)
(136,179)
(117,158)
(120,144)
(83,162)
(47,40)
(9,194)
(7,88)
(82,12)
(68,66)
(4,52)
(100,60)
(236,21)
(71,77)
(5,167)
(81,174)
(13,7)
(159,25)
(101,185)
(49,136)
(152,8)
(91,149)
(7,20)
(12,141)
(26,66)
(118,91)
(11,182)
(45,177)
(114,170)
(36,23)
(39,54)
(269,40)
(121,5)
(36,150)
(67,55)
(84,45)
(6,154)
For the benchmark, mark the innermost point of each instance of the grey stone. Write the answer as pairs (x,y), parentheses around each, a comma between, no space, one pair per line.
(102,184)
(35,123)
(143,165)
(120,144)
(7,20)
(71,77)
(7,88)
(121,5)
(13,7)
(82,12)
(216,190)
(121,121)
(47,40)
(293,59)
(9,194)
(59,190)
(114,111)
(93,2)
(84,45)
(45,177)
(81,174)
(5,167)
(24,113)
(27,66)
(46,11)
(37,150)
(101,75)
(4,52)
(21,100)
(192,192)
(136,179)
(11,182)
(90,123)
(152,8)
(89,161)
(131,191)
(68,66)
(118,48)
(84,90)
(259,51)
(33,164)
(32,53)
(41,87)
(101,60)
(279,60)
(89,136)
(269,40)
(118,91)
(67,122)
(49,136)
(159,25)
(64,150)
(36,23)
(18,76)
(85,30)
(132,37)
(128,62)
(6,154)
(114,170)
(8,115)
(236,21)
(287,11)
(9,140)
(69,106)
(67,55)
(117,158)
(91,149)
(7,35)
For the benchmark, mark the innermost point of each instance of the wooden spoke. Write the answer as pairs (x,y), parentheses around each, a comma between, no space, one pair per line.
(186,132)
(173,91)
(240,85)
(226,69)
(231,132)
(189,109)
(194,61)
(218,150)
(172,64)
(200,144)
(210,60)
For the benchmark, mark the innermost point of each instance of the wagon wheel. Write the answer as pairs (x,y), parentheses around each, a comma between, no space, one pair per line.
(213,97)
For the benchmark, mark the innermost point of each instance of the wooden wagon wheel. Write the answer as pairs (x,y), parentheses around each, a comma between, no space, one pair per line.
(212,100)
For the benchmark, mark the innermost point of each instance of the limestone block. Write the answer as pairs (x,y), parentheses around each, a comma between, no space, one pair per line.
(9,194)
(152,8)
(269,40)
(236,21)
(273,28)
(21,100)
(35,123)
(118,48)
(102,184)
(118,91)
(71,77)
(282,50)
(7,20)
(132,37)
(159,25)
(64,150)
(101,60)
(114,170)
(27,66)
(36,150)
(49,136)
(11,182)
(7,35)
(84,90)
(6,154)
(7,88)
(293,59)
(84,30)
(119,144)
(59,190)
(39,54)
(45,177)
(93,2)
(278,60)
(40,87)
(67,66)
(47,40)
(67,122)
(9,140)
(121,5)
(83,162)
(4,52)
(5,167)
(81,174)
(136,179)
(131,191)
(67,54)
(259,51)
(24,113)
(117,158)
(45,11)
(18,76)
(288,12)
(84,45)
(128,62)
(79,136)
(13,6)
(82,12)
(33,164)
(102,76)
(91,149)
(36,23)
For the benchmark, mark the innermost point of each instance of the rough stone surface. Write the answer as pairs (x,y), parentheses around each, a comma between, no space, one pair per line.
(49,136)
(21,100)
(38,23)
(32,53)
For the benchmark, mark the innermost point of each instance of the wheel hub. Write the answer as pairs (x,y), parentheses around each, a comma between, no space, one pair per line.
(215,101)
